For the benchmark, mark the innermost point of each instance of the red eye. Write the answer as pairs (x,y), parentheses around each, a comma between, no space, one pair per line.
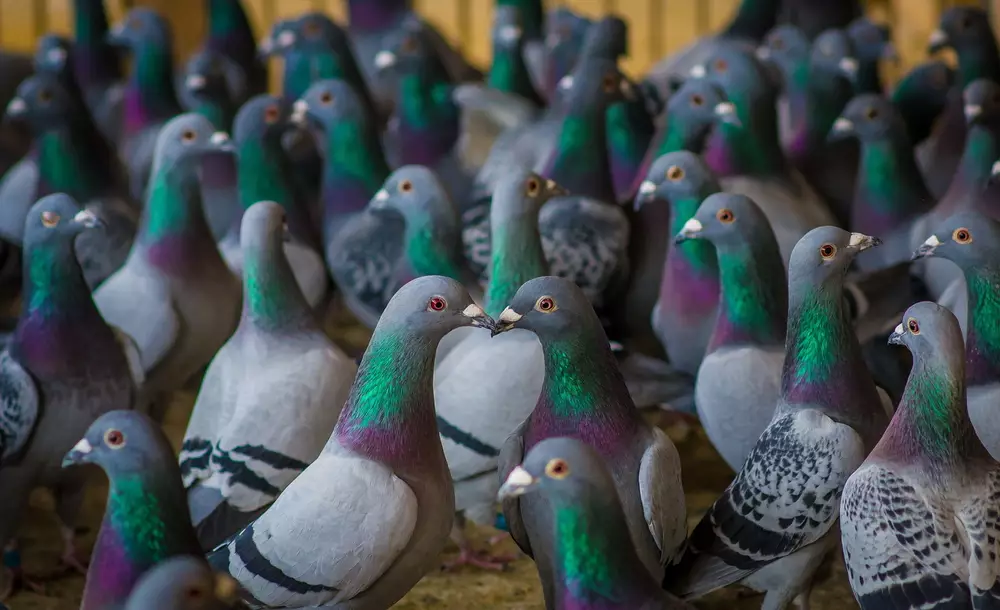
(114,439)
(271,115)
(437,304)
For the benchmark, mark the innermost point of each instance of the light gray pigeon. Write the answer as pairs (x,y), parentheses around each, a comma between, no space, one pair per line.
(919,520)
(175,296)
(62,367)
(365,521)
(183,583)
(477,405)
(278,366)
(972,241)
(773,526)
(596,566)
(740,378)
(584,397)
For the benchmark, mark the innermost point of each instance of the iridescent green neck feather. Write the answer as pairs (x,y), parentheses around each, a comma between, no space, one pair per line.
(272,299)
(261,175)
(532,14)
(983,340)
(580,161)
(151,524)
(516,258)
(432,247)
(753,303)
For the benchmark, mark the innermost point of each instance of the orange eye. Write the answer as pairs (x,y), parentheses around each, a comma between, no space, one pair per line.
(609,83)
(310,28)
(114,439)
(49,219)
(557,469)
(962,236)
(828,251)
(272,114)
(437,304)
(725,216)
(697,100)
(871,113)
(675,173)
(189,136)
(721,65)
(326,98)
(532,187)
(913,326)
(405,186)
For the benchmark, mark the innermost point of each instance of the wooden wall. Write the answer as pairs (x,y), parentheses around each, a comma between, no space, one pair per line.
(658,26)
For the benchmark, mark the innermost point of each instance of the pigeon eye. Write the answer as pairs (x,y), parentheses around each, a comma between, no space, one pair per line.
(533,187)
(962,236)
(913,326)
(557,469)
(409,45)
(675,173)
(49,219)
(828,251)
(189,136)
(778,44)
(326,98)
(271,115)
(114,438)
(437,304)
(725,216)
(545,304)
(721,65)
(871,113)
(45,95)
(697,100)
(405,186)
(310,28)
(965,23)
(609,83)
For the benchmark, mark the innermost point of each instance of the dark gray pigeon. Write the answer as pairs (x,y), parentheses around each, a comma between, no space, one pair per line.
(584,397)
(277,366)
(146,519)
(365,521)
(596,566)
(63,367)
(183,583)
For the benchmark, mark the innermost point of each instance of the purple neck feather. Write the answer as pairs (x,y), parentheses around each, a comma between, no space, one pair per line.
(111,575)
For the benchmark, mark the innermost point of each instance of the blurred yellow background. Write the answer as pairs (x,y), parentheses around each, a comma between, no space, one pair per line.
(657,26)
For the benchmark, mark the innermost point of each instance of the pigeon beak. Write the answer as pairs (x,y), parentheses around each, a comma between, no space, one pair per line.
(726,111)
(764,53)
(972,112)
(16,108)
(88,219)
(479,318)
(518,483)
(849,67)
(896,338)
(508,318)
(647,192)
(79,454)
(380,200)
(56,57)
(220,142)
(691,230)
(300,113)
(384,60)
(842,128)
(555,190)
(927,248)
(889,53)
(862,242)
(265,47)
(995,171)
(937,41)
(698,71)
(195,82)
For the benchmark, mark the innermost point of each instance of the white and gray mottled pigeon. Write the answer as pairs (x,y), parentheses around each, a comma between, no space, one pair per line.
(366,520)
(270,397)
(596,566)
(584,397)
(920,518)
(175,296)
(183,583)
(971,240)
(773,526)
(62,368)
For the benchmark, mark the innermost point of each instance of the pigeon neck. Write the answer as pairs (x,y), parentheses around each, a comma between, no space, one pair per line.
(867,79)
(827,96)
(981,150)
(751,148)
(580,161)
(629,131)
(797,95)
(428,118)
(889,188)
(272,299)
(74,160)
(982,365)
(263,175)
(376,15)
(389,415)
(981,59)
(532,15)
(509,74)
(753,306)
(354,170)
(596,570)
(297,75)
(95,62)
(516,256)
(690,281)
(229,32)
(173,233)
(432,242)
(754,18)
(149,94)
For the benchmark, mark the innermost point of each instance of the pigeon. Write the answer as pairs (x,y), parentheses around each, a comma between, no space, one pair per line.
(531,20)
(584,397)
(518,65)
(764,175)
(565,35)
(97,66)
(685,310)
(265,172)
(593,566)
(174,296)
(967,30)
(278,365)
(74,158)
(146,520)
(477,406)
(746,352)
(774,524)
(921,95)
(296,73)
(360,248)
(968,188)
(183,583)
(969,240)
(369,517)
(787,50)
(230,35)
(918,519)
(62,367)
(149,97)
(872,44)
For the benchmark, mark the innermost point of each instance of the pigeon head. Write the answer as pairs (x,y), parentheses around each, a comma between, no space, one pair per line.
(57,219)
(432,306)
(595,83)
(205,88)
(961,28)
(559,468)
(565,33)
(183,583)
(692,111)
(982,102)
(922,94)
(822,257)
(414,192)
(548,306)
(969,239)
(142,28)
(677,176)
(52,53)
(522,192)
(929,330)
(872,41)
(869,118)
(314,31)
(727,220)
(262,118)
(407,51)
(328,103)
(740,73)
(787,47)
(833,53)
(607,39)
(43,103)
(121,442)
(185,140)
(279,40)
(508,31)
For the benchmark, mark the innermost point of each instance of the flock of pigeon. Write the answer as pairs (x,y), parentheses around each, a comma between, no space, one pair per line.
(746,236)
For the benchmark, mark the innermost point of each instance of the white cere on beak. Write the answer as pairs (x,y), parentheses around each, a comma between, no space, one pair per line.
(299,111)
(56,56)
(565,83)
(219,138)
(996,168)
(843,125)
(763,53)
(509,33)
(16,106)
(83,446)
(692,227)
(195,81)
(647,188)
(857,239)
(725,109)
(519,477)
(509,316)
(86,218)
(626,89)
(473,311)
(382,195)
(899,329)
(286,39)
(972,111)
(932,241)
(698,71)
(848,65)
(938,37)
(385,59)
